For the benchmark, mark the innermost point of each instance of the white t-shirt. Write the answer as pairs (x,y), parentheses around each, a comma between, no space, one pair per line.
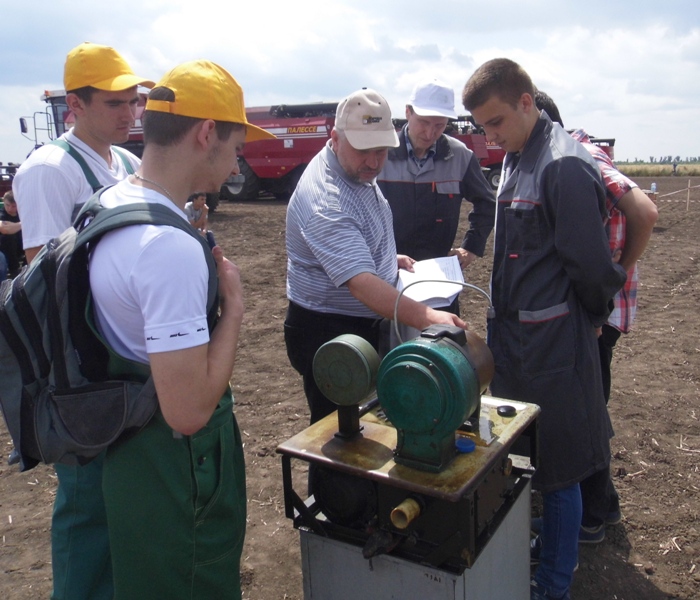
(50,184)
(192,213)
(149,283)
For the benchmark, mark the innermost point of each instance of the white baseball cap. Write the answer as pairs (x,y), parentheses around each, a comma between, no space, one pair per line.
(365,118)
(433,98)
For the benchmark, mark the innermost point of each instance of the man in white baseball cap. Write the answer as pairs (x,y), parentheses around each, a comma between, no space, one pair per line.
(432,98)
(341,256)
(426,178)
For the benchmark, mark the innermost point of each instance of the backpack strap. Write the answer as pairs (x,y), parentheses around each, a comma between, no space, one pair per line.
(77,157)
(87,171)
(94,220)
(125,161)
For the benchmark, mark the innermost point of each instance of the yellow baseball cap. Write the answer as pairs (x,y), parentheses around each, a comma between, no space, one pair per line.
(204,90)
(100,67)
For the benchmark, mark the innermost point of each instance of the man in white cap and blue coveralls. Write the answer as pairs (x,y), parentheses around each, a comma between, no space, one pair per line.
(426,178)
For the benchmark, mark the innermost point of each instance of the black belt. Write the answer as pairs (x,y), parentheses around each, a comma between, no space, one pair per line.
(298,315)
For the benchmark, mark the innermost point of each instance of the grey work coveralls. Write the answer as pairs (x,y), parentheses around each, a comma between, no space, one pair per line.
(552,281)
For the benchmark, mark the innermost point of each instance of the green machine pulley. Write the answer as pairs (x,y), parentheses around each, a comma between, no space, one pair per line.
(345,370)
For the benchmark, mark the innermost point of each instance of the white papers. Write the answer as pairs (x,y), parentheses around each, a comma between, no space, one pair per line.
(434,269)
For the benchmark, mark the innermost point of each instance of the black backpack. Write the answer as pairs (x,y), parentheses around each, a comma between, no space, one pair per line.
(65,395)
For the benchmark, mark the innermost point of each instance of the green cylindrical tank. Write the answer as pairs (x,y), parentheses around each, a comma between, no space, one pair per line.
(345,369)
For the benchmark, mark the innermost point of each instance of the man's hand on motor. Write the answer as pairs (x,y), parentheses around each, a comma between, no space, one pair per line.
(446,318)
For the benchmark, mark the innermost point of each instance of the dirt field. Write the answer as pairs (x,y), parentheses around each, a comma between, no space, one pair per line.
(652,555)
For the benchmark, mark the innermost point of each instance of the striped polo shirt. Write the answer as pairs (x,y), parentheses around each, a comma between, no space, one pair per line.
(336,229)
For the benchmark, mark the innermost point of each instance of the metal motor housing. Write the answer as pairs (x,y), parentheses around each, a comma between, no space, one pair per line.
(428,387)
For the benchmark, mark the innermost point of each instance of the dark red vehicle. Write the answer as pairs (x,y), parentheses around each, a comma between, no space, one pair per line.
(269,166)
(58,118)
(607,144)
(274,166)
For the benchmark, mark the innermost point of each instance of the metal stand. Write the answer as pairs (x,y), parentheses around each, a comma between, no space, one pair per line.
(335,570)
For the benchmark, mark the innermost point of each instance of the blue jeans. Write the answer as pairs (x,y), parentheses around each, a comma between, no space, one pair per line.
(561,518)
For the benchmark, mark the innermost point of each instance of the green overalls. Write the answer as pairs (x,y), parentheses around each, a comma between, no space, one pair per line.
(175,511)
(176,507)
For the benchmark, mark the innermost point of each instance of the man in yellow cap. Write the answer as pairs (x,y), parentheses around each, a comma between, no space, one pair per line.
(50,187)
(101,92)
(175,492)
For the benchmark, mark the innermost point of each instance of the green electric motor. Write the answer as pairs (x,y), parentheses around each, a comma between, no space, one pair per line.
(428,387)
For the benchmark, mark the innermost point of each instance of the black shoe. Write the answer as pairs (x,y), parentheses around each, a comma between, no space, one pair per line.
(591,535)
(536,526)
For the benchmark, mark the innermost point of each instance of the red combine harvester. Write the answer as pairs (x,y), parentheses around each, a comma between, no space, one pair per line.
(274,166)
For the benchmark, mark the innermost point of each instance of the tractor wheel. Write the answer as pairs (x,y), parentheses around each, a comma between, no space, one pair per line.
(251,185)
(290,183)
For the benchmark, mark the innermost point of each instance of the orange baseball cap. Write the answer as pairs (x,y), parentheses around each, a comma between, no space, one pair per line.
(204,90)
(100,67)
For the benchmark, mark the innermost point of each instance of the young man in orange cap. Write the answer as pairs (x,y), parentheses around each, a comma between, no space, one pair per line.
(175,492)
(50,187)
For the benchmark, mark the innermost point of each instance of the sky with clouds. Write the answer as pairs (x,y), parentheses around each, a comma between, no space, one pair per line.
(617,68)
